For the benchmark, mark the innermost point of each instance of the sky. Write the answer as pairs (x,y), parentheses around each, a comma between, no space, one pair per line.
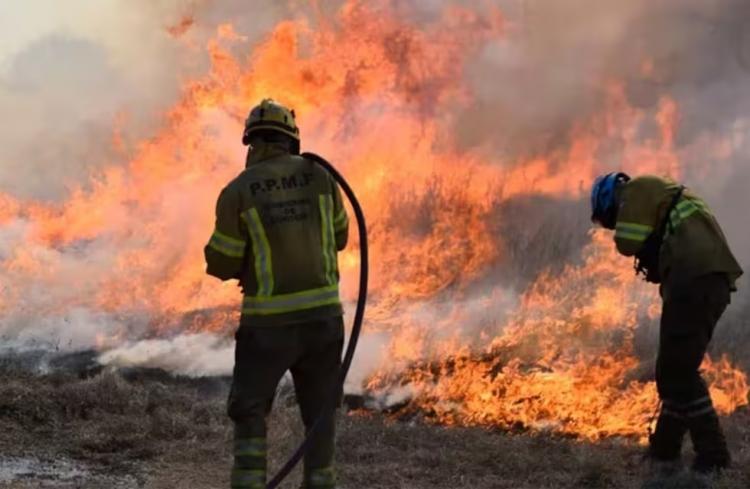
(71,70)
(63,111)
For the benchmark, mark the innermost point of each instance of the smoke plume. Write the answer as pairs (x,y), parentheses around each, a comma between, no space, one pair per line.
(140,105)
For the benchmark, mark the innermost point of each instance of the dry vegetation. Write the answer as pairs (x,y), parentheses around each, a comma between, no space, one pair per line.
(149,430)
(87,428)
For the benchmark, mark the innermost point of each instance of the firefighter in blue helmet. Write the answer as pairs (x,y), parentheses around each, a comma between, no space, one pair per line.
(678,244)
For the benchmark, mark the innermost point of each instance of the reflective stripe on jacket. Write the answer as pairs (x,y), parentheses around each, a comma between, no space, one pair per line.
(279,226)
(694,244)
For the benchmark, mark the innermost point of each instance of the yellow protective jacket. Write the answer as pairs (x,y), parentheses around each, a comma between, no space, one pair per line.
(279,225)
(694,244)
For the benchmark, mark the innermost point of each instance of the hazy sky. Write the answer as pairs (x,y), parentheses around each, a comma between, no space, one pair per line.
(123,28)
(70,68)
(67,69)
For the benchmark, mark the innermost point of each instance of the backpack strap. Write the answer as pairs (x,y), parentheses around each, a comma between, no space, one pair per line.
(646,262)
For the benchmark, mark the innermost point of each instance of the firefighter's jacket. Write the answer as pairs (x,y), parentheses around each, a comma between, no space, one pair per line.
(694,244)
(279,225)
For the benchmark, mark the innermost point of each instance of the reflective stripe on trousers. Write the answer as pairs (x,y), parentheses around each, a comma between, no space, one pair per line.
(249,470)
(323,478)
(248,479)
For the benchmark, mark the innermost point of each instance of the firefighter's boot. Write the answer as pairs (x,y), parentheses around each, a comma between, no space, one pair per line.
(665,444)
(711,452)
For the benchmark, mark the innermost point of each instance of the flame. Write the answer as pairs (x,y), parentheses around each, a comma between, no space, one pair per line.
(377,94)
(563,362)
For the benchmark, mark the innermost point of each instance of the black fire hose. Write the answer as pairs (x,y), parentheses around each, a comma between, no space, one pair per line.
(359,315)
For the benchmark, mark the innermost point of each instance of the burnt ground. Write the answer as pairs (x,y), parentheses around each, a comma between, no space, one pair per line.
(130,429)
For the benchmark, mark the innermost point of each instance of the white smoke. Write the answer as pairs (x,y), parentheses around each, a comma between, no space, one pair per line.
(531,86)
(195,355)
(71,71)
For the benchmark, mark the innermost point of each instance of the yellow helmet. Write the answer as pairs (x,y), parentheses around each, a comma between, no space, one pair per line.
(270,115)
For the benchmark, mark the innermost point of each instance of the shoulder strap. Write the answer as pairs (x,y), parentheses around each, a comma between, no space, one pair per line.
(667,217)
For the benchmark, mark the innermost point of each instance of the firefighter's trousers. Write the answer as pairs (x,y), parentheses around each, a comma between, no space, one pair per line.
(689,316)
(311,351)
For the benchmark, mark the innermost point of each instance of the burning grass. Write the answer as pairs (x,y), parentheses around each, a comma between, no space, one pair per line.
(152,430)
(502,310)
(564,361)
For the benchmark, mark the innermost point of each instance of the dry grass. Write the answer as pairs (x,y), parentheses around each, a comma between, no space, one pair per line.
(154,431)
(159,432)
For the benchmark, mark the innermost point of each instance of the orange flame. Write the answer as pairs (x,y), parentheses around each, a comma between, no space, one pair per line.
(376,93)
(564,363)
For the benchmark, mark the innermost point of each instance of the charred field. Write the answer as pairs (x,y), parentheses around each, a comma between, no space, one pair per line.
(77,425)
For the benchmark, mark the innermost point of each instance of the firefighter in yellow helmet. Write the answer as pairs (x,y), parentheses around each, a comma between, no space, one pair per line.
(678,244)
(279,226)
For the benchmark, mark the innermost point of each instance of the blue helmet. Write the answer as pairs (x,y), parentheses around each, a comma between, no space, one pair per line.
(603,205)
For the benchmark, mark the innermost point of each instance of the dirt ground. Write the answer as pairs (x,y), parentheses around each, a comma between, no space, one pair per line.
(127,430)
